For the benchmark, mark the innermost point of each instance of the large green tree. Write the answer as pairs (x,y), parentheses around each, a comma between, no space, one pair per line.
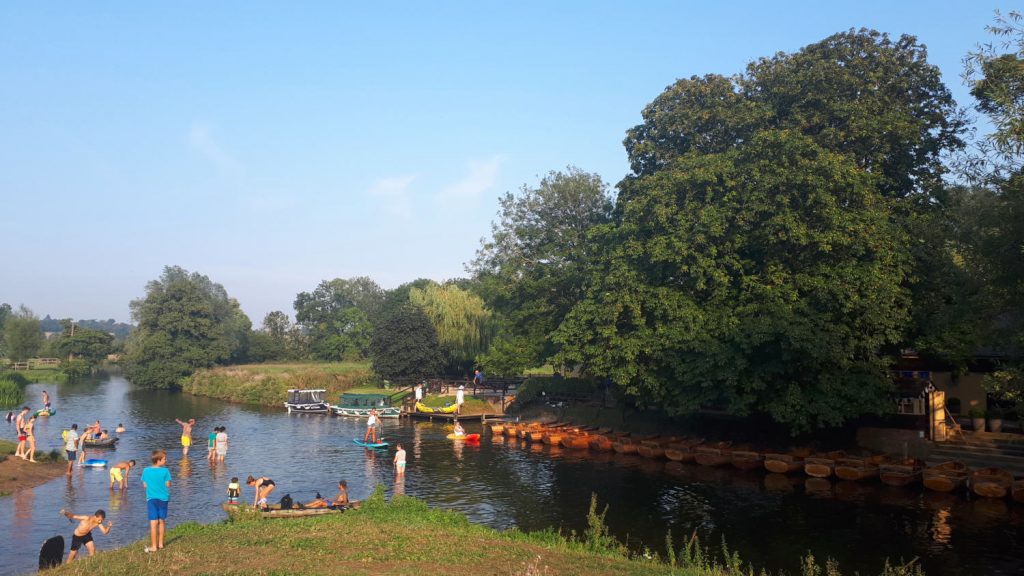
(5,312)
(185,322)
(763,278)
(405,345)
(337,317)
(463,323)
(91,346)
(537,264)
(22,335)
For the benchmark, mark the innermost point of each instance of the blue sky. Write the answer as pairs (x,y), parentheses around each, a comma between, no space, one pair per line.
(271,145)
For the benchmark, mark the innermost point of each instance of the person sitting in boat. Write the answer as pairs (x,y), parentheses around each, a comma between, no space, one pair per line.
(264,486)
(104,435)
(459,430)
(340,500)
(119,429)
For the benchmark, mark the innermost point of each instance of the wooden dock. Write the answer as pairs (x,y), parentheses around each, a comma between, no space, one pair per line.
(431,416)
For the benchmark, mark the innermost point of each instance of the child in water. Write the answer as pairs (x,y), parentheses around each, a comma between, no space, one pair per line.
(234,491)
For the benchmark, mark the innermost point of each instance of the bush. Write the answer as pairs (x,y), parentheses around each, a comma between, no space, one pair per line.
(12,390)
(535,388)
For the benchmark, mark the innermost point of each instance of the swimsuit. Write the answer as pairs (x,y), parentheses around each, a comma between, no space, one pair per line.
(115,474)
(186,441)
(77,541)
(234,490)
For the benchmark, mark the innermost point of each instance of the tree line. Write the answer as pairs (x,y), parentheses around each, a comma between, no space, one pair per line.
(784,231)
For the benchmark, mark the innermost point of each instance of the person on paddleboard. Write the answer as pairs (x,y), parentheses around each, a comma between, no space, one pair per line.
(371,427)
(83,532)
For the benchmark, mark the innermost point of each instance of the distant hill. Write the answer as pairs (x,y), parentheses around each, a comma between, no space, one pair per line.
(120,330)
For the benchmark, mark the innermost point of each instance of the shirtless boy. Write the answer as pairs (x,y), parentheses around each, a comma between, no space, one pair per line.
(83,533)
(119,474)
(186,434)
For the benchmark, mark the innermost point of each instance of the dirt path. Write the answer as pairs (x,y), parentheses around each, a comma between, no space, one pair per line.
(17,474)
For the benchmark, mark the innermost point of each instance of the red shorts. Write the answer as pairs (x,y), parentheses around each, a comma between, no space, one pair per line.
(22,438)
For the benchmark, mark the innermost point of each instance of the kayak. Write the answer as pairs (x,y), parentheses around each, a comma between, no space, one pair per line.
(465,437)
(94,463)
(420,407)
(45,412)
(370,444)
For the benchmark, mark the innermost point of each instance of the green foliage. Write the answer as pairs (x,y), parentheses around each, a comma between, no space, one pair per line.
(90,346)
(12,389)
(337,317)
(463,324)
(537,264)
(5,312)
(22,336)
(764,278)
(76,369)
(535,388)
(185,322)
(1008,385)
(509,355)
(267,384)
(405,345)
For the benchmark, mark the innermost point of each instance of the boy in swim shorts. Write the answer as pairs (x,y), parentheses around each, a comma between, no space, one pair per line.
(186,434)
(83,533)
(119,474)
(157,482)
(400,462)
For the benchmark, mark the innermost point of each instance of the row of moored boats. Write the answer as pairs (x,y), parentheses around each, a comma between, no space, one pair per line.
(946,477)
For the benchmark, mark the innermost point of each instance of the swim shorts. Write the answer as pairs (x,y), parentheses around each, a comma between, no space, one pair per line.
(186,441)
(72,455)
(77,541)
(22,438)
(157,509)
(401,465)
(115,474)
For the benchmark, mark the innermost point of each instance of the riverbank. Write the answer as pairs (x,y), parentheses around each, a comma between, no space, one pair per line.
(17,474)
(397,538)
(268,384)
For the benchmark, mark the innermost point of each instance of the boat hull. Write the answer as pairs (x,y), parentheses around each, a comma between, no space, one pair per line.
(386,412)
(991,482)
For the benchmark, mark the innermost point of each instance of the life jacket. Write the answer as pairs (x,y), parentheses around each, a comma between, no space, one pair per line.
(64,435)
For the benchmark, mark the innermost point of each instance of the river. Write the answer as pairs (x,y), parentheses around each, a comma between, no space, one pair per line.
(770,521)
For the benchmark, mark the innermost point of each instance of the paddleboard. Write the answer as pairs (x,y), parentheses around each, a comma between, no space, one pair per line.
(94,463)
(51,553)
(370,444)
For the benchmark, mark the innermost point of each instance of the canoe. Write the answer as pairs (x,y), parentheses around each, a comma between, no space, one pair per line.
(747,459)
(991,482)
(420,407)
(94,463)
(682,451)
(603,442)
(1018,490)
(946,477)
(102,444)
(249,512)
(717,454)
(497,429)
(786,462)
(626,445)
(578,441)
(464,437)
(822,465)
(859,467)
(901,473)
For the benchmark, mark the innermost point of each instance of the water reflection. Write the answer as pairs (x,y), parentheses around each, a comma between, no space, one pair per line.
(505,482)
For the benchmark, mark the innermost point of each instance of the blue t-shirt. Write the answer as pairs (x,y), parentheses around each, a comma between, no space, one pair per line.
(156,479)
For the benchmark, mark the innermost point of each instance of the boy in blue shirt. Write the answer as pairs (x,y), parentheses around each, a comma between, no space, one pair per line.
(157,481)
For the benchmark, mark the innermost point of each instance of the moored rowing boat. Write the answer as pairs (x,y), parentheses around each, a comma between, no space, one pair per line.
(946,477)
(855,468)
(682,451)
(786,462)
(717,454)
(991,482)
(901,473)
(746,459)
(822,465)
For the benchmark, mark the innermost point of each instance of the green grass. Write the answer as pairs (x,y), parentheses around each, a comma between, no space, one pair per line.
(268,384)
(54,375)
(403,537)
(8,448)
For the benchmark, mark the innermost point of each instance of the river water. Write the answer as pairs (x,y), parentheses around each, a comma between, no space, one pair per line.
(772,521)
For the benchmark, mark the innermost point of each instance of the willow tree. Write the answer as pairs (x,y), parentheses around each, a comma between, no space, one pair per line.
(464,325)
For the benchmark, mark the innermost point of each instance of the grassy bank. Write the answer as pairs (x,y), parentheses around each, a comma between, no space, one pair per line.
(398,538)
(17,474)
(267,384)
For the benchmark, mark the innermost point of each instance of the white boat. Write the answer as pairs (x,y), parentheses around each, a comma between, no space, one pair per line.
(359,406)
(306,402)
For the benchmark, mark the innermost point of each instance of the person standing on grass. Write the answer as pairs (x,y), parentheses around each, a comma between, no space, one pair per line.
(186,434)
(419,392)
(156,479)
(71,446)
(400,461)
(460,398)
(221,444)
(83,532)
(19,424)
